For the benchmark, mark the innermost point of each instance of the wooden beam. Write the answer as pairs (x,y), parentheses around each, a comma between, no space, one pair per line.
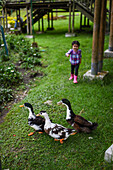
(102,35)
(39,25)
(42,25)
(28,31)
(96,28)
(111,30)
(52,19)
(48,20)
(3,18)
(6,19)
(30,22)
(73,16)
(80,21)
(69,28)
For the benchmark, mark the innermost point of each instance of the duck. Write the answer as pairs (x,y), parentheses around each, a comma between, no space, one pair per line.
(79,123)
(56,131)
(35,121)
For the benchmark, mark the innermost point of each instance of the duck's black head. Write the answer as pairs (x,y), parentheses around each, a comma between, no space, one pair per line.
(65,102)
(27,105)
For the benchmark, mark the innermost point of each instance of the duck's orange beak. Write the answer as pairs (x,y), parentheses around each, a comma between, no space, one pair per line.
(38,115)
(21,106)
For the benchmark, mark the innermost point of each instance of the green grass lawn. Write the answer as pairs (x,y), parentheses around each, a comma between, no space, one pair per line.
(93,99)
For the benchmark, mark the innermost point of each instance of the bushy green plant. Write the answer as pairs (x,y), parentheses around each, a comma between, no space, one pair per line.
(17,43)
(28,56)
(9,75)
(3,55)
(5,95)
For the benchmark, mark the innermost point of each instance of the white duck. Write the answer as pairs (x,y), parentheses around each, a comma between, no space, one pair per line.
(57,131)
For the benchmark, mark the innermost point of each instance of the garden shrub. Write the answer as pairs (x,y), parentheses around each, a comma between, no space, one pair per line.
(5,95)
(3,55)
(28,57)
(9,76)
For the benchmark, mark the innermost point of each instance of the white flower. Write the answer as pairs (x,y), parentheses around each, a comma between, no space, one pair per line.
(31,47)
(2,45)
(9,68)
(90,137)
(34,54)
(12,71)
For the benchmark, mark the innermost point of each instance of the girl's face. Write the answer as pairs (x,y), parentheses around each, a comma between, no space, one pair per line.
(75,47)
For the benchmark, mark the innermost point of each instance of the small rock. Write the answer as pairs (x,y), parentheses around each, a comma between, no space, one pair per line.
(49,102)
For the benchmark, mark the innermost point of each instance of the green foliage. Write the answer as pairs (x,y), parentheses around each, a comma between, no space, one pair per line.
(3,56)
(16,43)
(26,55)
(9,76)
(30,57)
(5,95)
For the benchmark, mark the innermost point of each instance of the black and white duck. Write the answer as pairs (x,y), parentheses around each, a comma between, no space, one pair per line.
(57,131)
(35,121)
(79,123)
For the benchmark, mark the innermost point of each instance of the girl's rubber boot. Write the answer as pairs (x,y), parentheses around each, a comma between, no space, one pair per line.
(72,76)
(75,79)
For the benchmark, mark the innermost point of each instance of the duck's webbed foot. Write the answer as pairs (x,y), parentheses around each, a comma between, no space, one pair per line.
(74,133)
(61,141)
(40,132)
(30,134)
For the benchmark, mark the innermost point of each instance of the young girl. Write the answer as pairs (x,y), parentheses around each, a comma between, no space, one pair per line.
(75,59)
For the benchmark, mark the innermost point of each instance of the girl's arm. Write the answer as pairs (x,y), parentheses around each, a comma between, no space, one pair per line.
(68,53)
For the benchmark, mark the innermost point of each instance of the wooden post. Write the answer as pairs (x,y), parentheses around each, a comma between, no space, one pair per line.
(109,13)
(96,28)
(111,30)
(30,22)
(102,35)
(73,16)
(6,20)
(28,31)
(48,21)
(52,19)
(42,25)
(84,20)
(19,19)
(3,18)
(81,21)
(88,22)
(39,25)
(69,29)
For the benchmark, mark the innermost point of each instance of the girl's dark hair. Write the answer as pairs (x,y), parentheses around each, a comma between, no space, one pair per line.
(76,42)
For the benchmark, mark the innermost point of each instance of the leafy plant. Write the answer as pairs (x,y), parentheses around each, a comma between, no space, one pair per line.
(5,95)
(9,76)
(3,55)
